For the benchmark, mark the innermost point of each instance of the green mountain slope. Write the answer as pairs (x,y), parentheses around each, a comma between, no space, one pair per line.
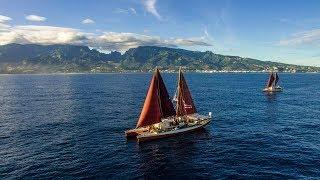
(148,57)
(30,58)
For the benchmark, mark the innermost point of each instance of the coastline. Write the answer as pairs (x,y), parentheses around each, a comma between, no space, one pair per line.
(165,72)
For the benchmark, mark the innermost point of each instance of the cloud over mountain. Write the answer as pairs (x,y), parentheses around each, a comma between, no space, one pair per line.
(40,35)
(108,41)
(124,41)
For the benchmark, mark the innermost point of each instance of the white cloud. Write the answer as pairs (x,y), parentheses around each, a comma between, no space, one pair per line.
(35,18)
(302,38)
(3,27)
(205,31)
(190,42)
(133,10)
(150,6)
(88,21)
(107,41)
(41,35)
(126,11)
(124,41)
(4,19)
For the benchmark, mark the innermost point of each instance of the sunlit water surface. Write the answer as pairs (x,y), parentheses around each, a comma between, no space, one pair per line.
(73,126)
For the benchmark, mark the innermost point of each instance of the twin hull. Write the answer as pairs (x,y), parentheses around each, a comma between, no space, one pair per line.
(273,89)
(143,134)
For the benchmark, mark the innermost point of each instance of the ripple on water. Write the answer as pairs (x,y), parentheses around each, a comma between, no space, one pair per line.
(73,126)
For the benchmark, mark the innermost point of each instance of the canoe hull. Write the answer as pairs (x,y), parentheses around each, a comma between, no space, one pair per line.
(277,89)
(152,136)
(135,132)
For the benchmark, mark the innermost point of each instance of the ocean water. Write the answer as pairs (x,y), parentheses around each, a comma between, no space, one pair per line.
(64,126)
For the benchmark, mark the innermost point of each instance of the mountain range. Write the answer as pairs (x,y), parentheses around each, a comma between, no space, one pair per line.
(32,58)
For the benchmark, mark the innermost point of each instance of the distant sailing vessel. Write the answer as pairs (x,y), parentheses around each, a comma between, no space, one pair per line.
(159,119)
(272,84)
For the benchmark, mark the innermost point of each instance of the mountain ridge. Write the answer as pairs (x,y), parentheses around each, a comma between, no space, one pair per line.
(33,58)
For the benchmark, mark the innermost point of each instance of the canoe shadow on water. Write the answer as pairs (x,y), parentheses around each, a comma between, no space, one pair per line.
(271,97)
(164,156)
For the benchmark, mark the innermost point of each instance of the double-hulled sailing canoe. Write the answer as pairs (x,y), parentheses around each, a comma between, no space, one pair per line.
(159,119)
(272,83)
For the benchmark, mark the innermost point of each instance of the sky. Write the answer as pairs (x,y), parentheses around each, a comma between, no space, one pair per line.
(282,31)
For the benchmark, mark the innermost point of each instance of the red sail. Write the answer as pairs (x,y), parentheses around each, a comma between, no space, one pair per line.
(150,113)
(185,103)
(277,79)
(270,81)
(157,104)
(166,105)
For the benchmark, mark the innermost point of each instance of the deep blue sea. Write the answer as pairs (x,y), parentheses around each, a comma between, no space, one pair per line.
(64,126)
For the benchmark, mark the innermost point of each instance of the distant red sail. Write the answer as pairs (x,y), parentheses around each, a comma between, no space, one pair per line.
(157,104)
(185,103)
(270,81)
